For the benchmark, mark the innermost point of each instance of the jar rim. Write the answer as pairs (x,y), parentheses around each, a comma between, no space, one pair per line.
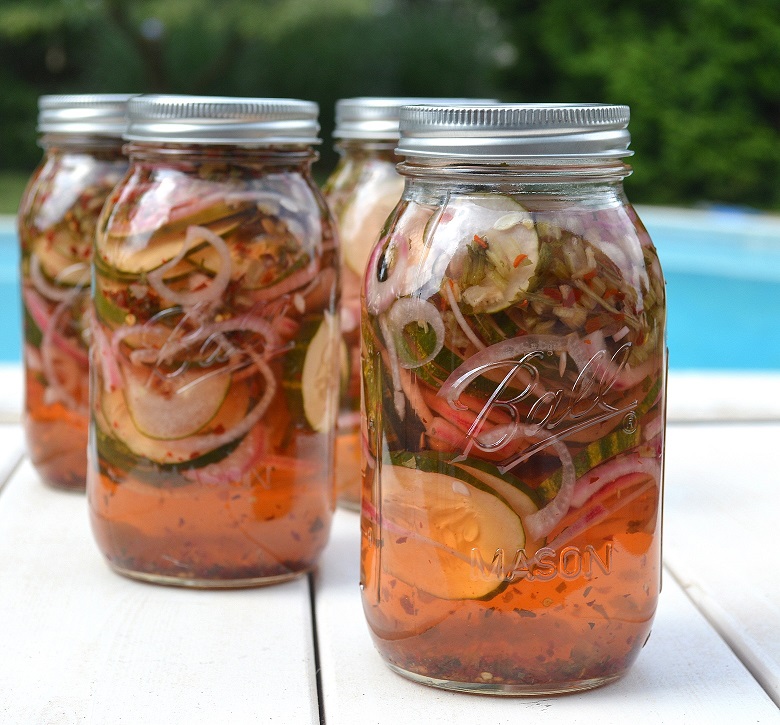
(515,131)
(222,120)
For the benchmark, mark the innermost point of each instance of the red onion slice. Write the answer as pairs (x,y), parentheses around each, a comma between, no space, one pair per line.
(502,353)
(542,522)
(380,294)
(597,478)
(213,291)
(412,310)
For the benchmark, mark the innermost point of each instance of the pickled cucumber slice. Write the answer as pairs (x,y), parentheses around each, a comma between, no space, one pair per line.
(436,525)
(518,499)
(122,427)
(319,385)
(50,260)
(363,218)
(178,407)
(148,251)
(498,248)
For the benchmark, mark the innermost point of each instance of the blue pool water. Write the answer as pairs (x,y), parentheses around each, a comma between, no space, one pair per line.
(722,273)
(723,282)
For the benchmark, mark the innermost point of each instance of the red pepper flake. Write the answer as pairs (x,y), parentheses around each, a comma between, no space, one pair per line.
(219,429)
(524,612)
(480,241)
(554,293)
(401,540)
(193,455)
(518,259)
(592,324)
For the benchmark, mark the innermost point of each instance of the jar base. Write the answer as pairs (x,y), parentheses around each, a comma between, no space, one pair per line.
(197,583)
(77,487)
(348,504)
(486,687)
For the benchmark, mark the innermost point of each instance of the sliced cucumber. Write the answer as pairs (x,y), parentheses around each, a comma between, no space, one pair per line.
(503,236)
(141,253)
(436,524)
(519,497)
(122,426)
(114,454)
(362,219)
(319,386)
(175,408)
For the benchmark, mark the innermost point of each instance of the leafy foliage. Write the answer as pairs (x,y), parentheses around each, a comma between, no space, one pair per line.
(702,77)
(284,48)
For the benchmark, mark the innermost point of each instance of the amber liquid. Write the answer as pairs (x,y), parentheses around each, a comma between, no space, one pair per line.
(573,621)
(348,469)
(348,437)
(57,405)
(265,524)
(56,437)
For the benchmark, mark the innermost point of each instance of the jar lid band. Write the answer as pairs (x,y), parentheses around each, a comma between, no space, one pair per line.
(515,131)
(222,120)
(84,114)
(378,117)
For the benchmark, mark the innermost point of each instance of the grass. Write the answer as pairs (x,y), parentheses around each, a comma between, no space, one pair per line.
(12,185)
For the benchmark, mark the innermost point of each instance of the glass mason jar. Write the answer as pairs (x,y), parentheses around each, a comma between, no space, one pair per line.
(362,191)
(82,140)
(514,365)
(215,347)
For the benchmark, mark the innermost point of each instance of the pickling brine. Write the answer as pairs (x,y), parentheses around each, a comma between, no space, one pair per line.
(215,363)
(58,214)
(514,384)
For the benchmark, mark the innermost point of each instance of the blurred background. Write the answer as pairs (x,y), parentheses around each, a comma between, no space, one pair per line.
(702,78)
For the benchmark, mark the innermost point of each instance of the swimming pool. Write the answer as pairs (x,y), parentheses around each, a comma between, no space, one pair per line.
(722,271)
(723,280)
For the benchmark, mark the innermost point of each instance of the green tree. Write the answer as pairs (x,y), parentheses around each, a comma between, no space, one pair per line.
(702,78)
(315,50)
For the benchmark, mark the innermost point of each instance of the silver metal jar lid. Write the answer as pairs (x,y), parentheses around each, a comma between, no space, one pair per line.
(222,120)
(376,117)
(515,131)
(84,114)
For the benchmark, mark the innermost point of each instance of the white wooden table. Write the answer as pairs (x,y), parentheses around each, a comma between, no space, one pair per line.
(79,644)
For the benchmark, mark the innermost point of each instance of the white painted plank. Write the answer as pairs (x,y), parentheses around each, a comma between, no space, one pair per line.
(11,392)
(722,508)
(12,448)
(80,644)
(685,674)
(723,396)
